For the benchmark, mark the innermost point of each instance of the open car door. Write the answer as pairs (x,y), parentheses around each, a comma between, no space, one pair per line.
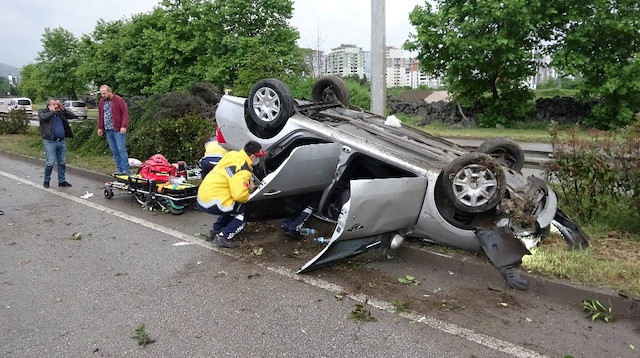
(376,209)
(299,180)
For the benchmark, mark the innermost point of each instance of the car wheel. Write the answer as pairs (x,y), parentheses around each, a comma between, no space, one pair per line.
(270,103)
(108,193)
(330,89)
(474,182)
(505,151)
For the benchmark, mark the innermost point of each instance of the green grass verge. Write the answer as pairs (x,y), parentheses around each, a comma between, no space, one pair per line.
(612,262)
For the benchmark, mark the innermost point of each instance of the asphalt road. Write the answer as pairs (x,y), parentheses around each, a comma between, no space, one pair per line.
(62,297)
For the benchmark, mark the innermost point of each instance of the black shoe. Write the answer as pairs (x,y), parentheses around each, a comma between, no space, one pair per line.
(222,241)
(292,234)
(212,234)
(46,184)
(64,183)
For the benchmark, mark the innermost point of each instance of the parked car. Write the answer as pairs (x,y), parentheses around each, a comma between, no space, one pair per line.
(381,182)
(16,104)
(78,108)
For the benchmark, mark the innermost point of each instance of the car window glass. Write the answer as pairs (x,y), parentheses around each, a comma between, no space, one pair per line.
(78,104)
(24,102)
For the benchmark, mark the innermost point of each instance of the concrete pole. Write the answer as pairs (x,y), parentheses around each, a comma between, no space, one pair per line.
(378,58)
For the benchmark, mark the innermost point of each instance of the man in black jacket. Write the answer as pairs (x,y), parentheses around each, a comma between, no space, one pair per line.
(54,126)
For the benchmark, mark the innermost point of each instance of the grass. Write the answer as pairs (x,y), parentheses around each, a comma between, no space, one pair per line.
(31,145)
(611,261)
(535,132)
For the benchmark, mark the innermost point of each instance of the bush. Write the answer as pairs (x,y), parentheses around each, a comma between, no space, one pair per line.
(598,180)
(15,122)
(206,92)
(511,106)
(176,138)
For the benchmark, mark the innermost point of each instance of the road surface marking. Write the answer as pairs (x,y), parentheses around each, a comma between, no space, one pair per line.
(452,329)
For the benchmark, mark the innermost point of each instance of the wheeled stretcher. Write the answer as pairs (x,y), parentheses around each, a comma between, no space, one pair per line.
(172,196)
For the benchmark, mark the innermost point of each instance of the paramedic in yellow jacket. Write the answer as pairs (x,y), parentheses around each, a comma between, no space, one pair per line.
(225,188)
(213,152)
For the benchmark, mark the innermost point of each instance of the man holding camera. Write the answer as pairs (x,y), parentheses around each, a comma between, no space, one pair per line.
(54,125)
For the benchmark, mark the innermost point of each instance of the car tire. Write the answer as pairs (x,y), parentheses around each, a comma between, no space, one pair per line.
(505,151)
(270,103)
(330,89)
(474,182)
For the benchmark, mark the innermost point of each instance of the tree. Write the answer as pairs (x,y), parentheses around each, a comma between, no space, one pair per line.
(230,43)
(485,50)
(59,61)
(5,86)
(33,82)
(602,42)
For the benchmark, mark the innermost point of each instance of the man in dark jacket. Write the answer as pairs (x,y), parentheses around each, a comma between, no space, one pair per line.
(54,126)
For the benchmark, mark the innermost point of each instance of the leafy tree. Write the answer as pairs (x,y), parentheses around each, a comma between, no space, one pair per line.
(602,44)
(485,50)
(33,82)
(5,86)
(230,43)
(59,61)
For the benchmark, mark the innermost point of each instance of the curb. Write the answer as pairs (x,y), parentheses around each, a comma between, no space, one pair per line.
(562,291)
(85,173)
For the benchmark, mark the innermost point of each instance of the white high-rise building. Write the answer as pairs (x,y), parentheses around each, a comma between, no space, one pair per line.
(417,78)
(346,60)
(396,63)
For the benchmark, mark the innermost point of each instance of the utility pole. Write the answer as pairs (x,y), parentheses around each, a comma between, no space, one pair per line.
(378,58)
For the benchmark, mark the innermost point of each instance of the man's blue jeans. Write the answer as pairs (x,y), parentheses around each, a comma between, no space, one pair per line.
(118,145)
(56,152)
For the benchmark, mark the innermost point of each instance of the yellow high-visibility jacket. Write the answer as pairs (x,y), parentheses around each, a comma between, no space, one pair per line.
(213,150)
(227,183)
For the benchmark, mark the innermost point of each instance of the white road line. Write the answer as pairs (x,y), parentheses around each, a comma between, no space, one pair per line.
(452,329)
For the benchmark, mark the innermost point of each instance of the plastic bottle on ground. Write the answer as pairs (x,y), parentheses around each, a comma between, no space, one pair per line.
(321,240)
(306,231)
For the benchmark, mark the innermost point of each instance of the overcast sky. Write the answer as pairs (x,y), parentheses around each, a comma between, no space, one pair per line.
(328,22)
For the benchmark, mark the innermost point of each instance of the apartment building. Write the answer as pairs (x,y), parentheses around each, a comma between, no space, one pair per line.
(417,78)
(345,60)
(396,63)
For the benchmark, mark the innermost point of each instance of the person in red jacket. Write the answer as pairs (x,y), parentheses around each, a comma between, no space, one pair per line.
(113,119)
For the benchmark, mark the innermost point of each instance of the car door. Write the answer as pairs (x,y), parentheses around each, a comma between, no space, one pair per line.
(300,179)
(376,207)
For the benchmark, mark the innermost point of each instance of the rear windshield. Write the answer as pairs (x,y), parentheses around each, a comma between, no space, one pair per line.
(77,104)
(24,102)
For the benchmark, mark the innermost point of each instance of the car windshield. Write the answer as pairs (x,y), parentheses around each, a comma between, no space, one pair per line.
(24,102)
(77,104)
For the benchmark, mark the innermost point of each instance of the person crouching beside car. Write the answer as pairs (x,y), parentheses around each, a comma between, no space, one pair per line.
(225,189)
(54,125)
(213,152)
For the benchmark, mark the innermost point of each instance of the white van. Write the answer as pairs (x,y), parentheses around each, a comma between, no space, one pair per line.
(14,104)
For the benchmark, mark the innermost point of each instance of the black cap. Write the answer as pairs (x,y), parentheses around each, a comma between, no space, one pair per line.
(254,148)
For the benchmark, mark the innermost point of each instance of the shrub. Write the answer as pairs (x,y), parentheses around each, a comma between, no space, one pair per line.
(598,180)
(15,122)
(206,92)
(176,138)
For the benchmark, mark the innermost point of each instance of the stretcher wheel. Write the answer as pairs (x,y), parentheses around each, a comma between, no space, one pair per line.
(108,193)
(174,208)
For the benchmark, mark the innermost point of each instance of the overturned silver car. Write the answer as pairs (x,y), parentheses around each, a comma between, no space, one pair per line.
(381,183)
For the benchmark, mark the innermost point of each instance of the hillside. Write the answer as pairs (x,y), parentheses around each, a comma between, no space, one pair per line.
(8,70)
